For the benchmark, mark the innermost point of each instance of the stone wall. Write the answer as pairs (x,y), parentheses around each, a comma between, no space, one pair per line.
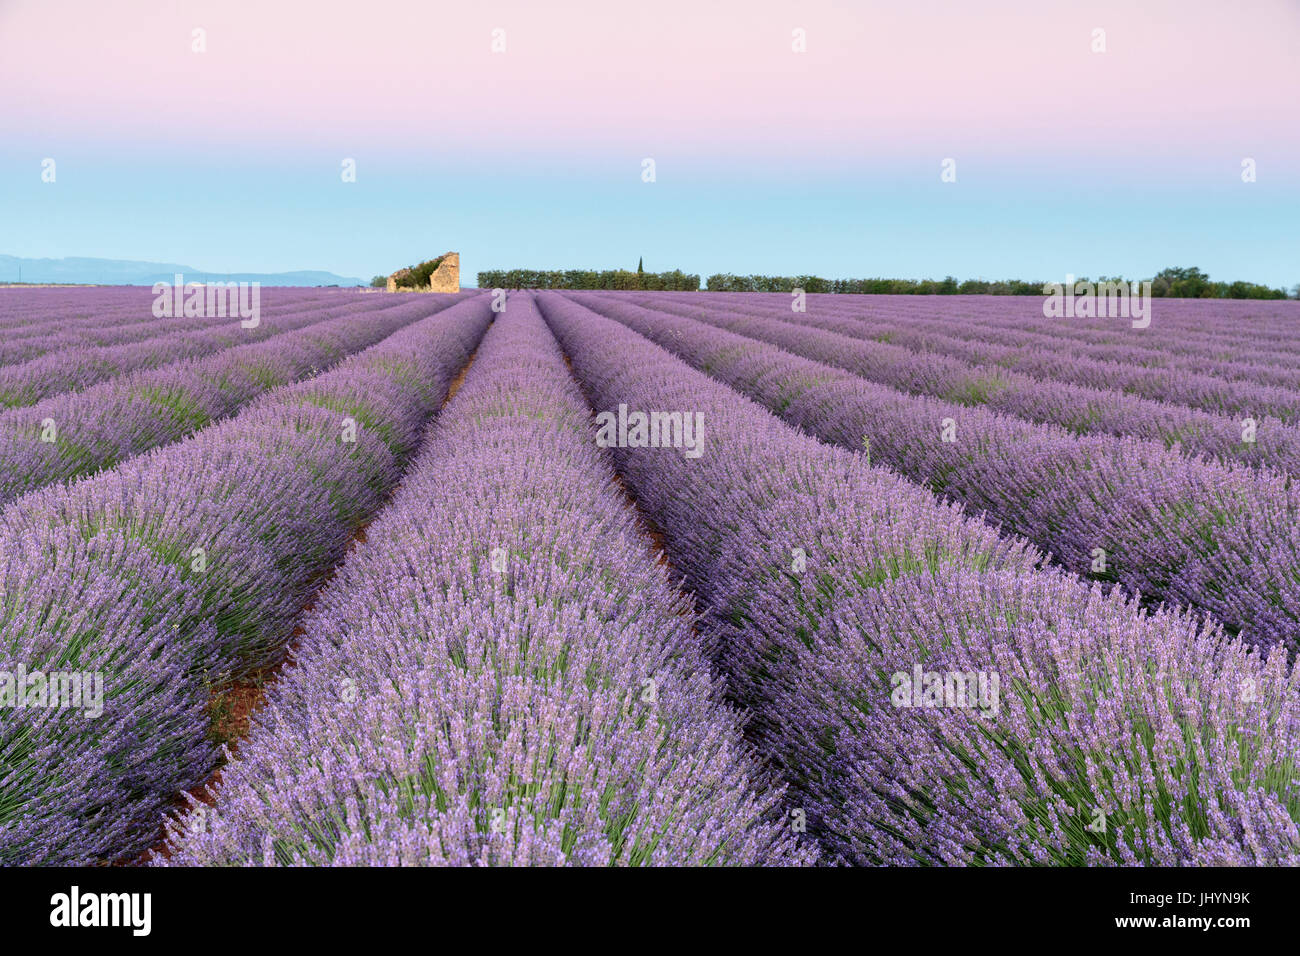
(446,278)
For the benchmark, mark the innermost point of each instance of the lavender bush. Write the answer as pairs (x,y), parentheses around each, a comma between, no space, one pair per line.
(835,341)
(1121,736)
(1238,340)
(121,324)
(103,575)
(1210,378)
(1225,539)
(71,369)
(502,675)
(108,423)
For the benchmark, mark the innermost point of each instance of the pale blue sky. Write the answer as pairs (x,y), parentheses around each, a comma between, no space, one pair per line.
(891,220)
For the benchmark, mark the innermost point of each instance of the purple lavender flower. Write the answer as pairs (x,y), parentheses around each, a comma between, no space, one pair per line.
(1221,538)
(1118,736)
(183,568)
(502,675)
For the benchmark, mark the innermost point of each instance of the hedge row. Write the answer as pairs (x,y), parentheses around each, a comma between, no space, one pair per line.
(1175,282)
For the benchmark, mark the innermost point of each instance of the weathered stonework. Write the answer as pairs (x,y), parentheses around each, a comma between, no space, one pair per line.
(446,278)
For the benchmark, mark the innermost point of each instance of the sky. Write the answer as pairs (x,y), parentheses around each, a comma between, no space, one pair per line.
(1065,158)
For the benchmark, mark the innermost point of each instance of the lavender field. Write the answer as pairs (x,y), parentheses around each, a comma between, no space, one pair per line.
(647,578)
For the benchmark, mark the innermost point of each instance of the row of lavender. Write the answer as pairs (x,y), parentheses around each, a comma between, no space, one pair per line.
(502,675)
(1118,735)
(182,569)
(1150,365)
(1232,335)
(1238,331)
(836,340)
(29,382)
(1231,386)
(26,309)
(128,322)
(78,433)
(1221,538)
(106,313)
(1236,355)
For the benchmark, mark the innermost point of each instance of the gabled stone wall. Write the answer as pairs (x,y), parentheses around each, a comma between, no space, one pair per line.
(446,278)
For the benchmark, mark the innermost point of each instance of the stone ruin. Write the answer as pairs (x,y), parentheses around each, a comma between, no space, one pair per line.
(446,278)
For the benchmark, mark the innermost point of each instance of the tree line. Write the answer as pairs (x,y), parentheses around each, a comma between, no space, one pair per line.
(1175,282)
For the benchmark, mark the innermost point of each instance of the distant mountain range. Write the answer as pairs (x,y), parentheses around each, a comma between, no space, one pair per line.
(134,272)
